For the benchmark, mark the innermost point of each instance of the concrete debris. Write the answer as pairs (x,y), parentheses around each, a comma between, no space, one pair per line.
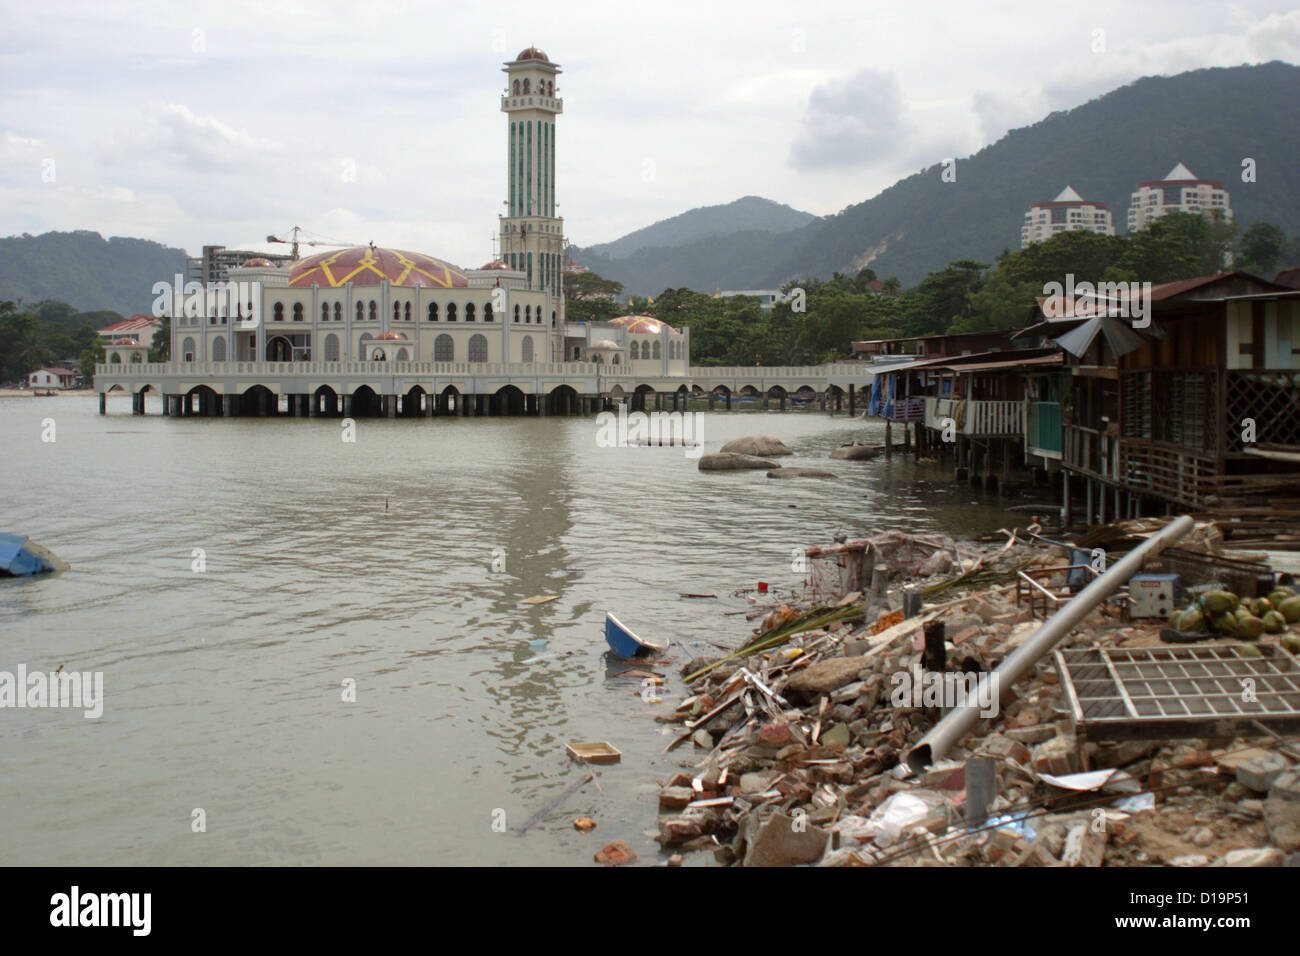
(798,744)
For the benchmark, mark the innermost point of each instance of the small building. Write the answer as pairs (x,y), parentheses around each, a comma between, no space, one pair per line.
(138,328)
(1179,191)
(1200,410)
(1068,212)
(126,352)
(52,378)
(767,298)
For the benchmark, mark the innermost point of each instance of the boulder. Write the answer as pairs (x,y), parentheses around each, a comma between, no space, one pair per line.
(826,676)
(855,452)
(727,461)
(761,445)
(779,842)
(800,473)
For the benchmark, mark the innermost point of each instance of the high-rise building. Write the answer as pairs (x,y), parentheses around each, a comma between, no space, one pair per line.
(1066,213)
(1179,191)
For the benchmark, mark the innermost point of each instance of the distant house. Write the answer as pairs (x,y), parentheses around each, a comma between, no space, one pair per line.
(52,378)
(139,327)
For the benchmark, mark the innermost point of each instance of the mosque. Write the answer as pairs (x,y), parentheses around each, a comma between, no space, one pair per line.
(372,330)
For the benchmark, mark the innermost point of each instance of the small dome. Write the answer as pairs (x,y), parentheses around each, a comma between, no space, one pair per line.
(494,264)
(128,342)
(259,262)
(605,344)
(532,53)
(641,324)
(391,337)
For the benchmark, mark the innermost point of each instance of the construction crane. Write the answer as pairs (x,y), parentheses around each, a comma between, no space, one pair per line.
(296,241)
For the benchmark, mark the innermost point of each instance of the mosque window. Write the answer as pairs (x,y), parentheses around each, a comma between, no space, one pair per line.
(324,312)
(278,312)
(218,351)
(577,353)
(615,360)
(444,349)
(525,86)
(331,348)
(338,311)
(528,315)
(487,312)
(516,314)
(402,355)
(478,348)
(433,311)
(527,348)
(658,350)
(361,312)
(116,359)
(374,310)
(516,88)
(188,350)
(636,351)
(136,359)
(469,311)
(407,312)
(297,312)
(397,311)
(451,311)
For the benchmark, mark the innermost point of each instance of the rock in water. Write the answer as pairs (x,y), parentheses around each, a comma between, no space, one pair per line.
(855,452)
(800,473)
(728,461)
(757,445)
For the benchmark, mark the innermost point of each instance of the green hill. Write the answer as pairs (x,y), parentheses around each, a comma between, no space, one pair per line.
(86,270)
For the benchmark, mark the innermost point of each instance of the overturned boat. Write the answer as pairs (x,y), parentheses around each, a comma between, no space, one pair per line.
(624,643)
(22,557)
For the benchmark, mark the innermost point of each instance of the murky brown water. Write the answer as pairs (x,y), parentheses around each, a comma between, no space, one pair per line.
(223,688)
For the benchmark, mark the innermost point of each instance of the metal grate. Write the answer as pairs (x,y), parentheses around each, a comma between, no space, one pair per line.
(1203,691)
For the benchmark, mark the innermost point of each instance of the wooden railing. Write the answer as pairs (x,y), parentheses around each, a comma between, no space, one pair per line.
(988,419)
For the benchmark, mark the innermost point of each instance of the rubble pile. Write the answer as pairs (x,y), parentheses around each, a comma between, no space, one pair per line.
(798,753)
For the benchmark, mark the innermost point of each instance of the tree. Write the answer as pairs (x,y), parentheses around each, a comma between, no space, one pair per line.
(1263,246)
(160,349)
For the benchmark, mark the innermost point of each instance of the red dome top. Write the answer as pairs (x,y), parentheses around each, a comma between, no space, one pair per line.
(391,337)
(258,261)
(365,265)
(532,53)
(495,264)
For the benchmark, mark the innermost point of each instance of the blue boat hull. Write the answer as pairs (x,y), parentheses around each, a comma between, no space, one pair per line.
(20,557)
(623,642)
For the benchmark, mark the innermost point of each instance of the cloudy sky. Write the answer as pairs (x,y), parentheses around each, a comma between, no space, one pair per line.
(379,120)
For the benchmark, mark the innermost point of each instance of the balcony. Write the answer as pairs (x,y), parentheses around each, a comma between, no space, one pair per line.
(976,419)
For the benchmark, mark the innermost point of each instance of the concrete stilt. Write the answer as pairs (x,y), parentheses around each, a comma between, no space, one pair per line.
(103,403)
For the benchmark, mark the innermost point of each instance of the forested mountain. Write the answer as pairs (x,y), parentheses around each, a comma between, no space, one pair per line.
(86,270)
(1212,120)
